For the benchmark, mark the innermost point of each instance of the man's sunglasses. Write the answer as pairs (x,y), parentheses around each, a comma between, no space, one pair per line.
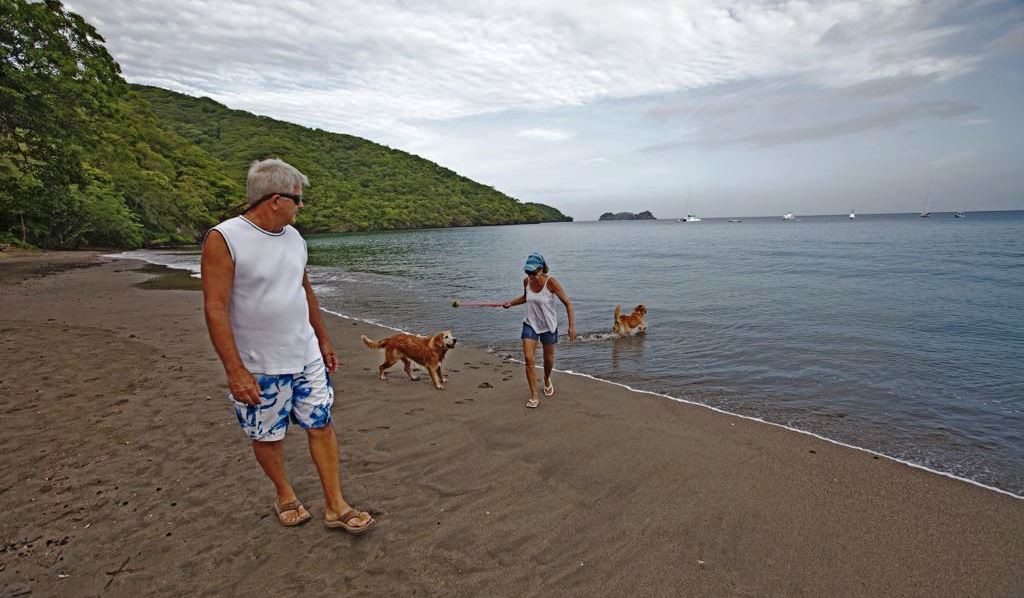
(296,198)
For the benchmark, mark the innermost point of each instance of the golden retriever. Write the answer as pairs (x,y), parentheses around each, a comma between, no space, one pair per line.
(632,324)
(428,351)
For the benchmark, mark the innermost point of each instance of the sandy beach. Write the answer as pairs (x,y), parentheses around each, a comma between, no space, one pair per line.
(124,473)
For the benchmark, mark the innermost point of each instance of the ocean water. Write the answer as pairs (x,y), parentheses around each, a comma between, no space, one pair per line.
(899,334)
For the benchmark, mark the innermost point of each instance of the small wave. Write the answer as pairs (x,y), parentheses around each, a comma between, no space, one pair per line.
(596,337)
(179,260)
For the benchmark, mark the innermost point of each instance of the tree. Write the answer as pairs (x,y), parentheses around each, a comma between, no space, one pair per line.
(56,78)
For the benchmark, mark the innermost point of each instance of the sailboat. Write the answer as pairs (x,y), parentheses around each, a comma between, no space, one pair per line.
(960,215)
(928,202)
(690,217)
(788,216)
(853,215)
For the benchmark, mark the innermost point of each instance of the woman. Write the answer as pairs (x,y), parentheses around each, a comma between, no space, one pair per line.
(541,322)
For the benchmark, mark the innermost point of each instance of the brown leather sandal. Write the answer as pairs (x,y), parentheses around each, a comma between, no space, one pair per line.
(349,515)
(294,505)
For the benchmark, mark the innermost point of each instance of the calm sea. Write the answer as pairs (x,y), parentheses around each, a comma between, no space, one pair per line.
(896,333)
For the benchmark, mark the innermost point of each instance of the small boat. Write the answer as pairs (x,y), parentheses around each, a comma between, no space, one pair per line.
(960,215)
(691,218)
(735,220)
(853,215)
(788,216)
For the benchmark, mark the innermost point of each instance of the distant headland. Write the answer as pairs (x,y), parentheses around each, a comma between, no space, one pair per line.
(645,215)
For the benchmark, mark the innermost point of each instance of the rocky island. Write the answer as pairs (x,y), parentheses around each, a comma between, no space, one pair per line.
(645,215)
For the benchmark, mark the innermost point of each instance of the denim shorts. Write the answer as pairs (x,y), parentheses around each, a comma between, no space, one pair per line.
(304,398)
(545,338)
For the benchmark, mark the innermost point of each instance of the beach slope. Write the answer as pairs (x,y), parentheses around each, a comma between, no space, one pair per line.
(124,473)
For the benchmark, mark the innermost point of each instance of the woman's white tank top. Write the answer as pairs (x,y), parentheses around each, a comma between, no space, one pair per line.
(269,312)
(540,309)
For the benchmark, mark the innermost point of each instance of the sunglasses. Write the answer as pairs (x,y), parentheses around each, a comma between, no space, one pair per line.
(296,198)
(534,273)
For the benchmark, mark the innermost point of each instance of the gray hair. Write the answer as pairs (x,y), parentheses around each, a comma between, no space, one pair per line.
(271,176)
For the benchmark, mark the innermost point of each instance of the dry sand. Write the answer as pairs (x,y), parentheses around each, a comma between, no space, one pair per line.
(124,474)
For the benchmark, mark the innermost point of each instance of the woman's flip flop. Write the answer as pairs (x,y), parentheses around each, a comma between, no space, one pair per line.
(549,389)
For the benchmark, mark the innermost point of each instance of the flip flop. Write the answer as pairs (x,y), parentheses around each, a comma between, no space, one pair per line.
(532,404)
(294,505)
(347,516)
(549,389)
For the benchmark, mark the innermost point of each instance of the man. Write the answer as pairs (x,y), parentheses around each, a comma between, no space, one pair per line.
(265,324)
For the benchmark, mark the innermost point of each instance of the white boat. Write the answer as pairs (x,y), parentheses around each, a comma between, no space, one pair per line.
(960,215)
(788,216)
(853,215)
(689,199)
(928,202)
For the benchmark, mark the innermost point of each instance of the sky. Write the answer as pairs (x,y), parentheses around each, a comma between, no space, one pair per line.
(718,109)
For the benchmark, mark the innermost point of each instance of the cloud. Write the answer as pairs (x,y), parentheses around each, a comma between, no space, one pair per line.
(389,68)
(545,134)
(889,86)
(1011,42)
(597,160)
(885,118)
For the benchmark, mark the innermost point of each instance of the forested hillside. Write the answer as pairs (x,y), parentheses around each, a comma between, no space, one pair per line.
(356,184)
(88,160)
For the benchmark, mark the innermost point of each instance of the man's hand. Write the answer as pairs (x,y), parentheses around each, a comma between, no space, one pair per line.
(572,332)
(507,304)
(329,355)
(244,387)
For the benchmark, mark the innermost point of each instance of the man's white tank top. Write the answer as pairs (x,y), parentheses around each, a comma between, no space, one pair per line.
(269,312)
(540,309)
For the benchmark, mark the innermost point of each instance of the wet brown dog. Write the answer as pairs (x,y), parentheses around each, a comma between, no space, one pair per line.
(632,324)
(427,351)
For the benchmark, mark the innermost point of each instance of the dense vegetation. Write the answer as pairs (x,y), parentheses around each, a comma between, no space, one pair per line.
(645,215)
(86,159)
(356,184)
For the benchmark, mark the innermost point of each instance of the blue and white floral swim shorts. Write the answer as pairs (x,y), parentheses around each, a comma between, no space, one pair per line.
(304,398)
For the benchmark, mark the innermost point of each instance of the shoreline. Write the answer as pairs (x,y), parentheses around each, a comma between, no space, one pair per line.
(125,473)
(194,274)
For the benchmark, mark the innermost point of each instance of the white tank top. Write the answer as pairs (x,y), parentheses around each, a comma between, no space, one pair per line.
(269,312)
(540,309)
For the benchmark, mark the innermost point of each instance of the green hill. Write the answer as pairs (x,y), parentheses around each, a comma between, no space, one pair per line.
(356,184)
(86,159)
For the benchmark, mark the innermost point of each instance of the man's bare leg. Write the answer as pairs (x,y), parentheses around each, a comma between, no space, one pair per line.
(323,447)
(270,456)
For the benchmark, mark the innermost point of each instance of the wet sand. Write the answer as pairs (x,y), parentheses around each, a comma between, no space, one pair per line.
(124,473)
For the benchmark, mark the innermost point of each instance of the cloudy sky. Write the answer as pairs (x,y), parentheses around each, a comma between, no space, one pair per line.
(738,108)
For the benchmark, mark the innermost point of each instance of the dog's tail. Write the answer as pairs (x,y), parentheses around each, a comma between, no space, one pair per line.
(372,343)
(615,318)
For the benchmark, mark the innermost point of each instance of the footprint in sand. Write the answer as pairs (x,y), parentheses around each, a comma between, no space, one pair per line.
(484,385)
